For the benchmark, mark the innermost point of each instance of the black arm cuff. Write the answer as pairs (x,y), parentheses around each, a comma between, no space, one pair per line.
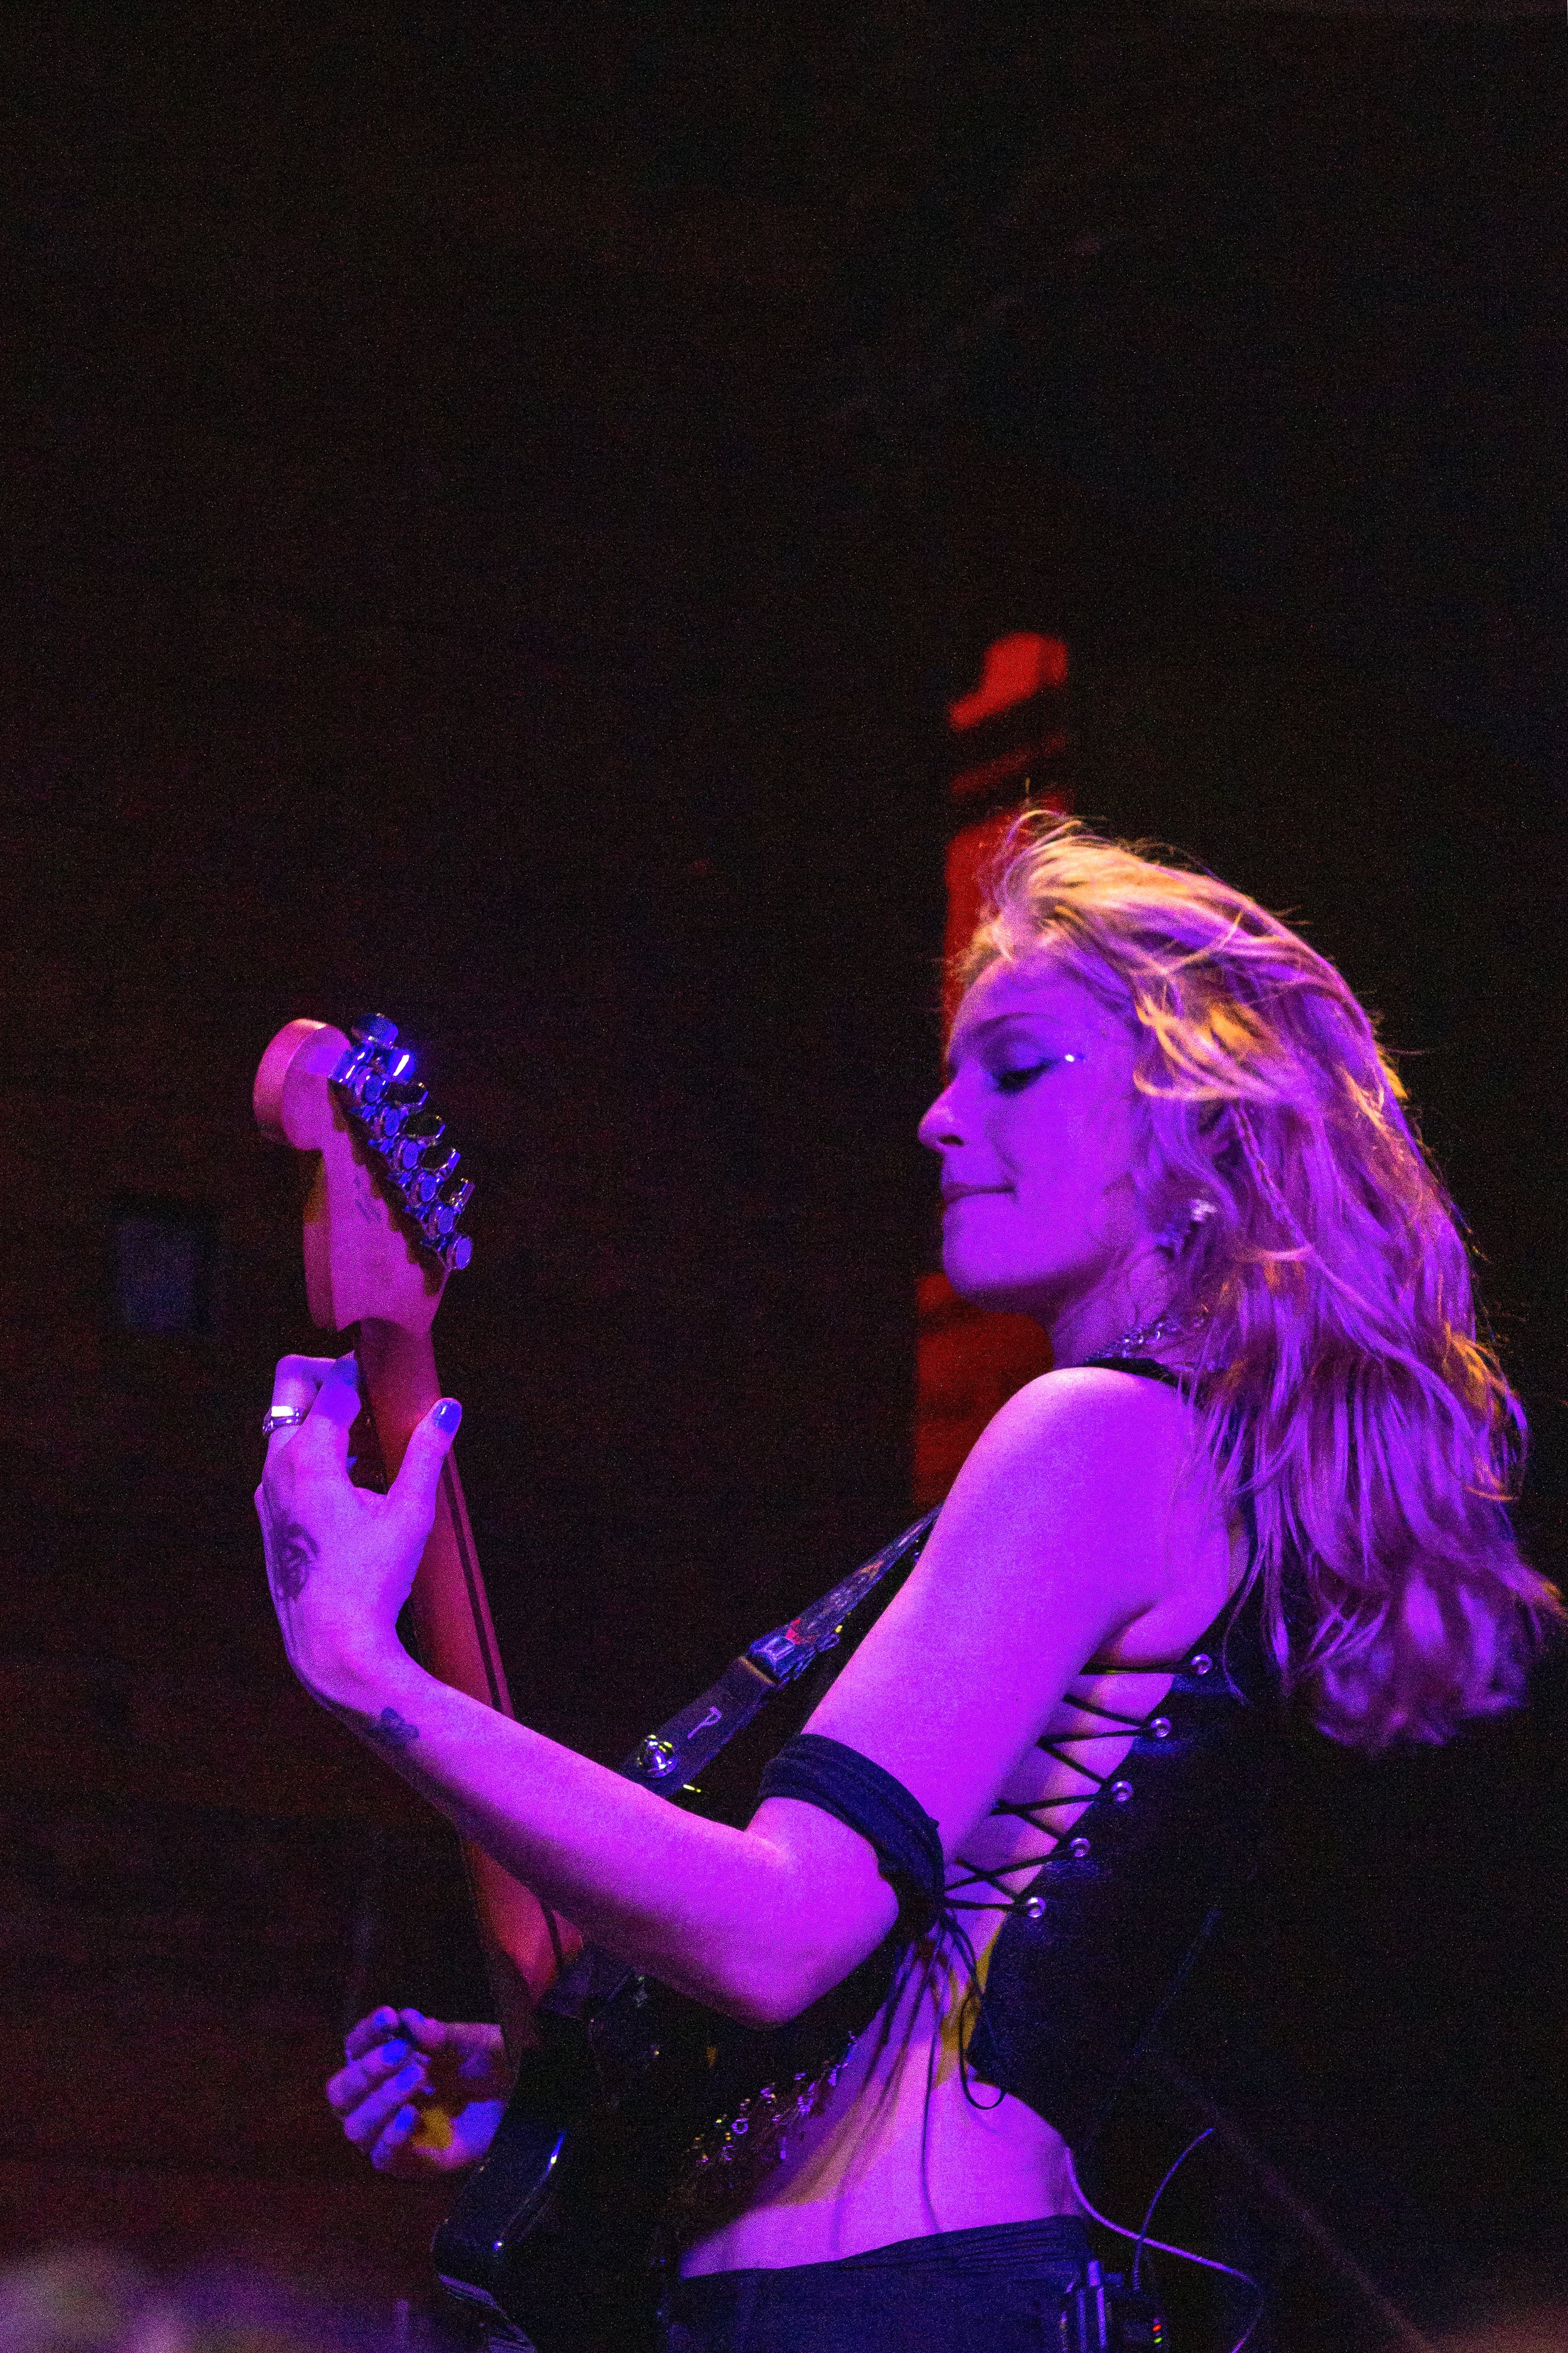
(843,1783)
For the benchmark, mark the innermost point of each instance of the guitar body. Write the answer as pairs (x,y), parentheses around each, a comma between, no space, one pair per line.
(556,2238)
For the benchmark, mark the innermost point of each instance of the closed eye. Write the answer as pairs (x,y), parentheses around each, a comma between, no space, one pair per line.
(1013,1082)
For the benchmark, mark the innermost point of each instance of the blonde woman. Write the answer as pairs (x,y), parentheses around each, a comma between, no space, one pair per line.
(1273,1462)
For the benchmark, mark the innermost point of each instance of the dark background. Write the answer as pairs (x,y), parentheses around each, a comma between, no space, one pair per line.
(495,504)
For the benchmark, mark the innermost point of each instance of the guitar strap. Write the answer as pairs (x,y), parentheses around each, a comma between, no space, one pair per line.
(669,1758)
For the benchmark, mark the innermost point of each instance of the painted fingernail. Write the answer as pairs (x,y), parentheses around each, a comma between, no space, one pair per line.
(447,1414)
(410,2077)
(393,2053)
(347,1369)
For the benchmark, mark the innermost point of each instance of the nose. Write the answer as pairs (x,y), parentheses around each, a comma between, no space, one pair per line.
(940,1129)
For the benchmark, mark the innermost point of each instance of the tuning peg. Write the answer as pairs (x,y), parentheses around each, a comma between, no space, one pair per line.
(402,1113)
(375,1030)
(424,1179)
(458,1253)
(437,1222)
(359,1078)
(408,1093)
(415,1135)
(447,1206)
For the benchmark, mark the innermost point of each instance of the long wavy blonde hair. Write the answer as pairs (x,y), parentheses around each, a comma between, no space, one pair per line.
(1320,1280)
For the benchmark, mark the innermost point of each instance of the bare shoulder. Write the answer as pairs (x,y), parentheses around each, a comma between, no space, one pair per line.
(1086,1431)
(1077,1500)
(1078,1403)
(1072,1504)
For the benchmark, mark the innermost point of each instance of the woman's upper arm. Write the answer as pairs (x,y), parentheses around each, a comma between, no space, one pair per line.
(1058,1532)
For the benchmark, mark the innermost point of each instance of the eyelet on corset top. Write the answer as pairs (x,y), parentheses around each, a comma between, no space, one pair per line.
(1033,1905)
(1161,1727)
(1121,1791)
(1078,1847)
(1201,1664)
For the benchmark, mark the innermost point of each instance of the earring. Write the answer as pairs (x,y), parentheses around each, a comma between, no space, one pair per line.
(1177,1234)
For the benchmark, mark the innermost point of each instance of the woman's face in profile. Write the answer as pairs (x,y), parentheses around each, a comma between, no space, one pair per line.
(1037,1132)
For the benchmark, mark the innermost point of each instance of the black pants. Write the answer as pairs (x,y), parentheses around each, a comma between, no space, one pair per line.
(997,2289)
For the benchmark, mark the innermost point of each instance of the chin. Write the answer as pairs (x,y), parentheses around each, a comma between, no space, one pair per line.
(998,1288)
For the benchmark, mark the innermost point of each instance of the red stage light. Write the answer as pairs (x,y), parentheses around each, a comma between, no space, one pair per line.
(1017,665)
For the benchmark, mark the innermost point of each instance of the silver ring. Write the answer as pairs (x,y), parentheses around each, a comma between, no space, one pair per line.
(282,1417)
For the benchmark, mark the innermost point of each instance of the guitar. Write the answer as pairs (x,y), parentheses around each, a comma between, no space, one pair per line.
(381,1238)
(552,2238)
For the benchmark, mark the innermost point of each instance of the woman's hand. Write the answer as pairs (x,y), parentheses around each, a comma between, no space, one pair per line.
(339,1559)
(419,2097)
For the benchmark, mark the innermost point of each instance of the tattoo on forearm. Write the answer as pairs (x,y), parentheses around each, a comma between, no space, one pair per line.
(394,1730)
(291,1553)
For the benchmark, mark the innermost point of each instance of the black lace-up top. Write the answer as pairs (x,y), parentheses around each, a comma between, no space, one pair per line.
(1096,1938)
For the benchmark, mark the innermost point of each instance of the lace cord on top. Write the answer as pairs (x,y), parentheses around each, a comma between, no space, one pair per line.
(1112,1787)
(1113,1784)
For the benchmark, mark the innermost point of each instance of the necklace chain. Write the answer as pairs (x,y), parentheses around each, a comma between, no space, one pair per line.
(1144,1337)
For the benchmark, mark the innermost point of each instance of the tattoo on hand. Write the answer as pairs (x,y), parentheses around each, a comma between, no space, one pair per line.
(394,1730)
(291,1554)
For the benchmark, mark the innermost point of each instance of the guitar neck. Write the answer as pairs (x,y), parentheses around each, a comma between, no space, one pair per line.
(456,1643)
(451,1613)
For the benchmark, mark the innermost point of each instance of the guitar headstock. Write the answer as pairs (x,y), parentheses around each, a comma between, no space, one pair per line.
(381,1222)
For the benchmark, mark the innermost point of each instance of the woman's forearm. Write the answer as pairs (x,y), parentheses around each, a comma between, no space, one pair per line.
(756,1923)
(734,1918)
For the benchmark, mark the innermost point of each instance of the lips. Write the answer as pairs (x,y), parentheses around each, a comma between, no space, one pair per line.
(951,1193)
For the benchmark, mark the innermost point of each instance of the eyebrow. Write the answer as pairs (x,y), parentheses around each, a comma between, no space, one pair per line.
(999,1021)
